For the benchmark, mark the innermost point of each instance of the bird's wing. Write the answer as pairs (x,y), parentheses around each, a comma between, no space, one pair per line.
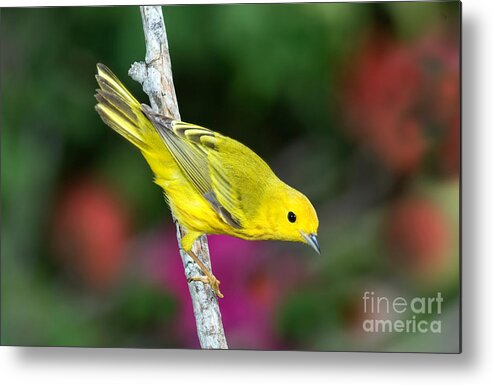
(194,149)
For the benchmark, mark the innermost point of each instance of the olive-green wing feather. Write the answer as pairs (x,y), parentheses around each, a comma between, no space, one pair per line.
(194,148)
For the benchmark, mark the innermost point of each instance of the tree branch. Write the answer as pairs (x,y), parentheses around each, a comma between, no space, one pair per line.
(157,81)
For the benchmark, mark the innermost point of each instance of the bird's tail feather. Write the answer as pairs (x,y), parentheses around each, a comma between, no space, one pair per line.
(119,109)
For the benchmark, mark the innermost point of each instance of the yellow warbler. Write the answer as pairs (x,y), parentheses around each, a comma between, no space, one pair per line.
(213,184)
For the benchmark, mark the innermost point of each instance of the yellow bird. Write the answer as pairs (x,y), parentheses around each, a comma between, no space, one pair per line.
(212,183)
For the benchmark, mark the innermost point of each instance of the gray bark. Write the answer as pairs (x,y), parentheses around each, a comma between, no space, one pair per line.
(157,81)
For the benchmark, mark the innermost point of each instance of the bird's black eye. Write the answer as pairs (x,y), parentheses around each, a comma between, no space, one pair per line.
(291,217)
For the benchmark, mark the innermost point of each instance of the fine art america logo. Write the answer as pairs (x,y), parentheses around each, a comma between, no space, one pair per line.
(401,315)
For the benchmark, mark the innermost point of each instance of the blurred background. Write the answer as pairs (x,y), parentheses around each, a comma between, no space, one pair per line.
(356,105)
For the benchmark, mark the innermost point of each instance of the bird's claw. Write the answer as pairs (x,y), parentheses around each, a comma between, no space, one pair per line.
(212,281)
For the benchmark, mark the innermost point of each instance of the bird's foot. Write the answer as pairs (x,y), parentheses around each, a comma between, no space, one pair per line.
(211,280)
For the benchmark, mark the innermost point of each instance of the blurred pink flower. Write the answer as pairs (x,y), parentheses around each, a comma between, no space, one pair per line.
(253,281)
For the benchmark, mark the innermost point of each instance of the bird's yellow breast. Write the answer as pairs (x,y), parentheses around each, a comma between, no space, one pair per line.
(189,208)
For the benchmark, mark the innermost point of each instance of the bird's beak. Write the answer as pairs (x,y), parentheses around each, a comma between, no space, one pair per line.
(311,239)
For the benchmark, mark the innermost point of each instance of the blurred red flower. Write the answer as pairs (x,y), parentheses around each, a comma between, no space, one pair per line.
(253,280)
(400,99)
(90,232)
(418,235)
(439,58)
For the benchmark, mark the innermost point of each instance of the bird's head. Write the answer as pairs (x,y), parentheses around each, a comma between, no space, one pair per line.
(294,217)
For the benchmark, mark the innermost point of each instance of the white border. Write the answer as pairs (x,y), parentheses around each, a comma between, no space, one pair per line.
(118,366)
